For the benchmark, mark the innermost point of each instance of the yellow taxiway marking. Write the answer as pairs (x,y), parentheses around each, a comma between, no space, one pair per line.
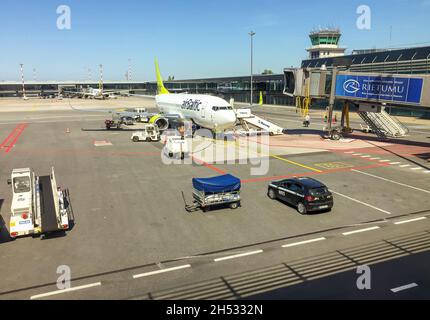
(237,144)
(295,163)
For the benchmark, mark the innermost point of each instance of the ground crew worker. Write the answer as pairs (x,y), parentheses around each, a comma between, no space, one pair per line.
(307,121)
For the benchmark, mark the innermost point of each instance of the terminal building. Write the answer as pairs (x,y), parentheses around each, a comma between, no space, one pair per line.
(401,61)
(324,51)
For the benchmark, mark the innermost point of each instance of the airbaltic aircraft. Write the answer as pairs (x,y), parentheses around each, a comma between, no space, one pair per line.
(205,111)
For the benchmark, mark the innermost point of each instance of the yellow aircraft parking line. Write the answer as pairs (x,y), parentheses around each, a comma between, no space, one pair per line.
(236,143)
(295,163)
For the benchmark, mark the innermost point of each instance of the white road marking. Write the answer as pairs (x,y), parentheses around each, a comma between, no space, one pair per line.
(384,160)
(357,154)
(360,231)
(52,293)
(302,242)
(392,181)
(411,220)
(405,166)
(349,152)
(427,171)
(366,156)
(375,158)
(393,163)
(147,274)
(361,202)
(286,120)
(406,287)
(417,168)
(239,255)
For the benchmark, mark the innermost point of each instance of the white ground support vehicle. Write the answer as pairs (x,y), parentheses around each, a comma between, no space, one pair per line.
(142,115)
(38,205)
(176,146)
(149,133)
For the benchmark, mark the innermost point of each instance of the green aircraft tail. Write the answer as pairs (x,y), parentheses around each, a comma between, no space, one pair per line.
(160,85)
(260,102)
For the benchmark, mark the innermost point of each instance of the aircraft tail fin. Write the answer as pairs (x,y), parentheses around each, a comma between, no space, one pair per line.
(160,85)
(260,102)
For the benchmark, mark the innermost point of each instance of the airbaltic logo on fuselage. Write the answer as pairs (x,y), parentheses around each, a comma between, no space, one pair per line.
(191,104)
(351,86)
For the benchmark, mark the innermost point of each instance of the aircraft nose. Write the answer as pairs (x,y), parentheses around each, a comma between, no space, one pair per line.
(232,117)
(226,119)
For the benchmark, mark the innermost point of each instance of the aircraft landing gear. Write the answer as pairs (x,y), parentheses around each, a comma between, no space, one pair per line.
(335,134)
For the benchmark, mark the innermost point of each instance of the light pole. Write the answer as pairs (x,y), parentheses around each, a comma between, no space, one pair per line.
(22,80)
(252,34)
(129,70)
(101,78)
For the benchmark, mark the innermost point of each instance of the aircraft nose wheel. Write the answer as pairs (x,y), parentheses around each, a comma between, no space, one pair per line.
(335,134)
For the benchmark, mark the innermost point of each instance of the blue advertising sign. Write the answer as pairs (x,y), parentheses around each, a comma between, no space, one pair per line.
(390,89)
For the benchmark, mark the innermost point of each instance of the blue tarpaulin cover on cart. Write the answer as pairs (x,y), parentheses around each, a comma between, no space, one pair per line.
(225,183)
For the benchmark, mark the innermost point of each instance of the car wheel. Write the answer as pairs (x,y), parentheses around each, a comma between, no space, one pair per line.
(135,139)
(272,194)
(148,139)
(234,205)
(301,208)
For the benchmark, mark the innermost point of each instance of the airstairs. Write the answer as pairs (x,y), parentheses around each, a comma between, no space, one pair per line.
(246,118)
(384,125)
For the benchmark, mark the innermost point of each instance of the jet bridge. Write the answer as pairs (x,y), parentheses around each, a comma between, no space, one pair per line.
(370,92)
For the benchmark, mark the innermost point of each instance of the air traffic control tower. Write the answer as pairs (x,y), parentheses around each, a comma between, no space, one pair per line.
(325,44)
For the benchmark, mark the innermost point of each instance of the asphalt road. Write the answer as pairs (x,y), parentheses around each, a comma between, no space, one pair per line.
(130,216)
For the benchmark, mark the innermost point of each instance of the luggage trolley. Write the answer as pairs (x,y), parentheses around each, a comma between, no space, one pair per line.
(216,191)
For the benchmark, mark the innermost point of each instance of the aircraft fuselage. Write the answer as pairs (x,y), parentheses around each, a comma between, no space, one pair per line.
(206,111)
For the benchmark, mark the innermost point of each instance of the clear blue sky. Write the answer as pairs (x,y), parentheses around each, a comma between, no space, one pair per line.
(191,38)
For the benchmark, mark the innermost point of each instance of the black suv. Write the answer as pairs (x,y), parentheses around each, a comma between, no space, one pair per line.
(306,194)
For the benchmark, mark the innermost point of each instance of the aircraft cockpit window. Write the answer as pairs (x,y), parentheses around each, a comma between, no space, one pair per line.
(221,108)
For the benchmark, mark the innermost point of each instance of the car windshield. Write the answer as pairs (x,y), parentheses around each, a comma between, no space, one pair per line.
(318,192)
(21,184)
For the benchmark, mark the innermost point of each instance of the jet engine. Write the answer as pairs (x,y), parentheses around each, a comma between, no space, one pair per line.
(161,122)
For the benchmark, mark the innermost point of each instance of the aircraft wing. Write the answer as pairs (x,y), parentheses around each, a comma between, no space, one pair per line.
(172,116)
(140,95)
(121,112)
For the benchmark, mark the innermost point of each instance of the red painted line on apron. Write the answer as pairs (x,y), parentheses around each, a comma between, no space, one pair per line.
(9,137)
(207,165)
(18,133)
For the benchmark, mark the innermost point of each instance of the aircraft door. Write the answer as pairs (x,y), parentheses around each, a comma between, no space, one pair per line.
(203,112)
